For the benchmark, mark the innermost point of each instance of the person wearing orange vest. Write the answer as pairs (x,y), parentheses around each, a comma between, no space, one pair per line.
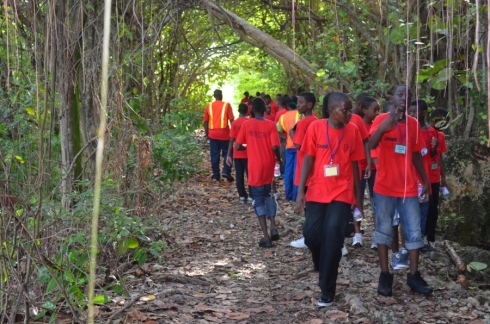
(218,115)
(285,124)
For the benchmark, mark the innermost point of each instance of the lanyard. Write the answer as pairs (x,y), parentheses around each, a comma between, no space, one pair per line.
(402,136)
(332,154)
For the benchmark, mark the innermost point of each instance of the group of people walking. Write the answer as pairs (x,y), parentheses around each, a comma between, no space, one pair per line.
(326,162)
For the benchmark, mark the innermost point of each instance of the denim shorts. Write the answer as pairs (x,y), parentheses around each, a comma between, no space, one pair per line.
(265,204)
(409,211)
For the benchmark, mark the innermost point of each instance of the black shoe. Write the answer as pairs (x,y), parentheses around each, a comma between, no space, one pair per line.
(228,177)
(274,234)
(325,301)
(417,284)
(385,284)
(265,243)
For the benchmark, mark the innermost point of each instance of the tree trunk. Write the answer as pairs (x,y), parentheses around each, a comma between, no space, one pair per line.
(255,37)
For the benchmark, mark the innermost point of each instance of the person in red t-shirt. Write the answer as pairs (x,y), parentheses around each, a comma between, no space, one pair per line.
(217,117)
(268,115)
(418,109)
(369,109)
(400,142)
(240,157)
(272,105)
(245,99)
(262,140)
(437,175)
(357,108)
(306,103)
(331,150)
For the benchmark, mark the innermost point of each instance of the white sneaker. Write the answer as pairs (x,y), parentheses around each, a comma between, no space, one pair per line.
(357,240)
(277,195)
(250,199)
(299,243)
(344,250)
(242,200)
(432,246)
(374,246)
(253,202)
(426,243)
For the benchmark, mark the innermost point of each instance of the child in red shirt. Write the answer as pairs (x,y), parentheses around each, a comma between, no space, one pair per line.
(262,140)
(306,103)
(437,175)
(419,109)
(331,150)
(399,160)
(240,157)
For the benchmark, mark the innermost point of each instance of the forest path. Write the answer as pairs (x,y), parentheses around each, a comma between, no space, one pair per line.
(214,238)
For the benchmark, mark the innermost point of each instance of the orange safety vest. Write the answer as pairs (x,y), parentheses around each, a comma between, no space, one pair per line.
(287,122)
(223,122)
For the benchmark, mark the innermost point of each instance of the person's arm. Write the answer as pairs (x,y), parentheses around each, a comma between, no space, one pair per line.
(443,173)
(206,129)
(433,149)
(277,153)
(357,186)
(385,126)
(308,162)
(367,151)
(240,147)
(419,166)
(229,160)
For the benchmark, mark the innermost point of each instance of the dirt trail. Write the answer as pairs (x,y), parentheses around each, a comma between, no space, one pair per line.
(214,238)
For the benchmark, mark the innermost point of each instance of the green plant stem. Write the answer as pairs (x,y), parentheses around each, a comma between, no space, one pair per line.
(98,159)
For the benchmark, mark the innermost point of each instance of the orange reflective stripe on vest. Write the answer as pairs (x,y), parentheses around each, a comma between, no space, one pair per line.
(223,120)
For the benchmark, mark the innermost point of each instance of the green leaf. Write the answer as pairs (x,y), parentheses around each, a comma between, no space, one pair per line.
(140,255)
(118,288)
(101,300)
(123,246)
(144,238)
(30,111)
(49,305)
(445,75)
(133,243)
(20,159)
(478,266)
(320,73)
(51,286)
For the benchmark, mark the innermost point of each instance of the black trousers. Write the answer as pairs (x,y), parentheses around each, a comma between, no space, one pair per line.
(324,230)
(241,168)
(433,215)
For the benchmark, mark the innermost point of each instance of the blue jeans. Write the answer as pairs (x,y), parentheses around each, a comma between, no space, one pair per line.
(217,147)
(424,211)
(265,204)
(409,211)
(324,230)
(290,170)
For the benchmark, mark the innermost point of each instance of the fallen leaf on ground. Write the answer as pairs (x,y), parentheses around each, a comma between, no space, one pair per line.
(237,316)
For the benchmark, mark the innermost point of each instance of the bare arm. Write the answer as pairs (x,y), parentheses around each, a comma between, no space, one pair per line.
(206,128)
(277,153)
(419,166)
(308,162)
(367,151)
(229,160)
(357,186)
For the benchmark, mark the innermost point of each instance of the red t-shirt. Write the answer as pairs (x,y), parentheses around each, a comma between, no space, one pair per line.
(356,120)
(363,162)
(427,135)
(260,136)
(435,172)
(245,100)
(279,114)
(269,117)
(235,130)
(299,136)
(348,145)
(392,170)
(273,106)
(218,125)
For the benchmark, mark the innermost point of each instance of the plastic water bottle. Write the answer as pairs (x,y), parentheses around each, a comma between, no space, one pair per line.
(420,189)
(445,192)
(277,170)
(396,219)
(357,215)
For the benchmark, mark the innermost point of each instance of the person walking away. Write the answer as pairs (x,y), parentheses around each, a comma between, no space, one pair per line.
(262,141)
(217,117)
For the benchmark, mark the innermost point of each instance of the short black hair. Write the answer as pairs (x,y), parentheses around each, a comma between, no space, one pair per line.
(330,100)
(361,96)
(387,106)
(257,94)
(218,94)
(282,100)
(246,93)
(309,97)
(292,101)
(365,103)
(242,108)
(258,105)
(439,113)
(422,105)
(278,95)
(267,97)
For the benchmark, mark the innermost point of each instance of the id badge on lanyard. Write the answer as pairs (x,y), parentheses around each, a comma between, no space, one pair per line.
(401,148)
(331,170)
(434,165)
